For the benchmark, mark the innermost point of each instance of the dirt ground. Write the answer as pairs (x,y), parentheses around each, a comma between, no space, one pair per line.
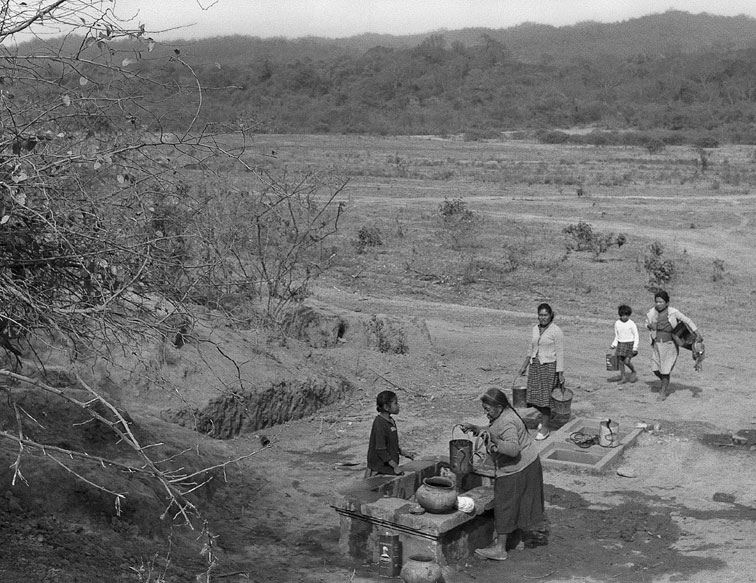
(688,514)
(663,525)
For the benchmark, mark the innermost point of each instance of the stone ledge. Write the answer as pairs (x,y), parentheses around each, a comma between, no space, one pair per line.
(395,512)
(370,507)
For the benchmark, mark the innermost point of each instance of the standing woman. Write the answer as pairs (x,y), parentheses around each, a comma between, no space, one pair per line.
(661,321)
(545,366)
(518,475)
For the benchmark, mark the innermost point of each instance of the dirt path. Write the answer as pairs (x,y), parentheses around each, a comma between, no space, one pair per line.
(662,525)
(688,515)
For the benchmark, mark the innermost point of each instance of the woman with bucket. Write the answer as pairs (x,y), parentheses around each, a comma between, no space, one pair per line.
(545,366)
(518,476)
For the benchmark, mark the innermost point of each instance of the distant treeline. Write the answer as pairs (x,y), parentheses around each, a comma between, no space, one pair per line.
(482,89)
(672,78)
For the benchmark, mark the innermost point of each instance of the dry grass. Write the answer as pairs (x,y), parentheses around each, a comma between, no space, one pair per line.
(526,193)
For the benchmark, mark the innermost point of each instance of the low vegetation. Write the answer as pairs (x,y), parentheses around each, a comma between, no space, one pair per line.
(660,270)
(118,231)
(581,237)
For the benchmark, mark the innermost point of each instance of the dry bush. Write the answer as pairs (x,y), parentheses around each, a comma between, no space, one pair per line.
(109,239)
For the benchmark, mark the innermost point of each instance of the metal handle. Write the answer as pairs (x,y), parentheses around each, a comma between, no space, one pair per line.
(485,438)
(457,425)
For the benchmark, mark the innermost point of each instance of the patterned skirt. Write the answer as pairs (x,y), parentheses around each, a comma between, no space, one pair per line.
(542,378)
(624,349)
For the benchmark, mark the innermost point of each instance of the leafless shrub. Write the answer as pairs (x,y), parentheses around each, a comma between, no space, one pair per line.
(104,241)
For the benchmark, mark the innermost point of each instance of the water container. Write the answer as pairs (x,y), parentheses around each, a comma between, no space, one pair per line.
(519,395)
(389,555)
(608,433)
(460,454)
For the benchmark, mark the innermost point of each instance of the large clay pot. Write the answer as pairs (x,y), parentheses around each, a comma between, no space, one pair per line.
(420,569)
(437,494)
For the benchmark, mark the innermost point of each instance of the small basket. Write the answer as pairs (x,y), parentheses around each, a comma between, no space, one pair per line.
(561,400)
(612,363)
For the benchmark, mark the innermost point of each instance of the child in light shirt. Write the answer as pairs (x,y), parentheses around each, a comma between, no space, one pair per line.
(625,344)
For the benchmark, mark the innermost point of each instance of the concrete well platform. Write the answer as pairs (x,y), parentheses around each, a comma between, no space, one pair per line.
(561,452)
(380,505)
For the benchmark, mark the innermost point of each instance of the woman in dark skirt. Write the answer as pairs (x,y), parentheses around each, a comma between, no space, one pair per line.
(518,476)
(545,366)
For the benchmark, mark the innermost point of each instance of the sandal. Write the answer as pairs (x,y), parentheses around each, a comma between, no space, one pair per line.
(541,436)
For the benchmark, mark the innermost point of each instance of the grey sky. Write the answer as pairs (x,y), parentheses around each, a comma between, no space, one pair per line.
(341,18)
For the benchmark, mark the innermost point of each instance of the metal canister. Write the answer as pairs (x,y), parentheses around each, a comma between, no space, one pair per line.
(519,395)
(389,555)
(460,454)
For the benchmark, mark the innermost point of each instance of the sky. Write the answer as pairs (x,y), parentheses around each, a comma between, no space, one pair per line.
(171,19)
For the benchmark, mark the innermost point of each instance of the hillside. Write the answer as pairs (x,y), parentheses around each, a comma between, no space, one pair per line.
(667,33)
(671,72)
(689,78)
(455,305)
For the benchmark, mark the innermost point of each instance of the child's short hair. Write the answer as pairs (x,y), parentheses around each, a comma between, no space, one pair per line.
(624,310)
(384,398)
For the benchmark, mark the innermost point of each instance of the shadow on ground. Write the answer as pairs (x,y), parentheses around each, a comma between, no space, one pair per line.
(675,388)
(633,541)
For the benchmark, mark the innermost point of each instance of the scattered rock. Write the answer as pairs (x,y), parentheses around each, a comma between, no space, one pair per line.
(626,472)
(723,497)
(744,437)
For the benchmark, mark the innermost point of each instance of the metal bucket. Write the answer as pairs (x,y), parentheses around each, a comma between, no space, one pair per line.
(561,401)
(519,396)
(460,454)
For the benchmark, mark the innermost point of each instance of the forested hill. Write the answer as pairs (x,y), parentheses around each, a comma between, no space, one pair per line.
(674,77)
(670,33)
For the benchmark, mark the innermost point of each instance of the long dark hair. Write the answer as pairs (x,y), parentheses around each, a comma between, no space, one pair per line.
(498,398)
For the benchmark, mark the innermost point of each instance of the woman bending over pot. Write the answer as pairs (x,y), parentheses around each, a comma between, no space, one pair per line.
(517,471)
